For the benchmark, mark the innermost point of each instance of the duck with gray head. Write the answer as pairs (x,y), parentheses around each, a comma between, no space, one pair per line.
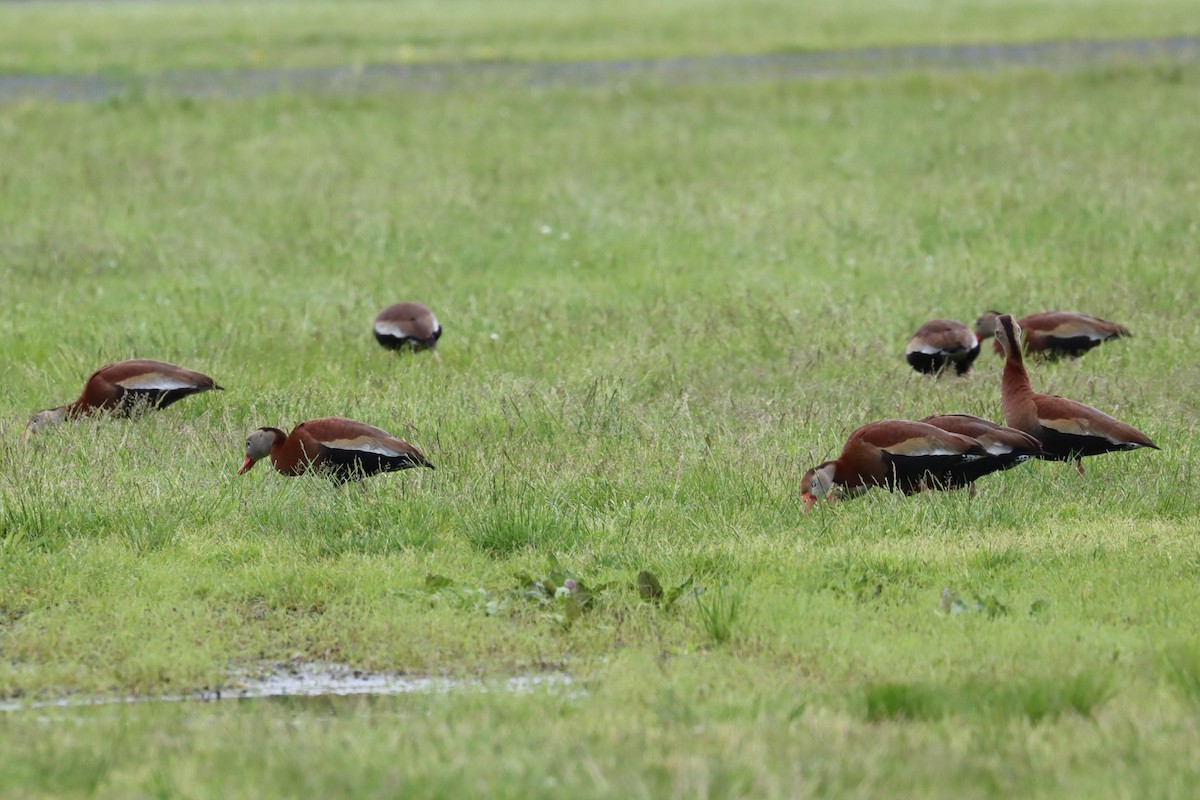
(1068,430)
(341,449)
(1054,334)
(897,454)
(124,389)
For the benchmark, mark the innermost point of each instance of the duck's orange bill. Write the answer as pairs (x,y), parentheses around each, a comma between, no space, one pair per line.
(247,464)
(809,501)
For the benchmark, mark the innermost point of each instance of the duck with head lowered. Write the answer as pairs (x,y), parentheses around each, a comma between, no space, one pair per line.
(125,389)
(408,326)
(897,454)
(940,344)
(1053,334)
(342,449)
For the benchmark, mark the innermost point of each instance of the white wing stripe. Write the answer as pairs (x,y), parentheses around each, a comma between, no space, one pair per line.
(1079,430)
(155,381)
(392,329)
(924,453)
(364,446)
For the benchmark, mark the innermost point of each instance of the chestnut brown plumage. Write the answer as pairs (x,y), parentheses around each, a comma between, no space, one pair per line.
(1055,333)
(125,388)
(1006,447)
(898,454)
(1068,430)
(941,343)
(342,449)
(408,326)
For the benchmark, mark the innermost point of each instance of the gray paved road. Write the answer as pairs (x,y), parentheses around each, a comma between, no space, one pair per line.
(1059,55)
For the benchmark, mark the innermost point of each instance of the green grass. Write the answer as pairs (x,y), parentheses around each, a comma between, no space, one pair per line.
(1035,699)
(639,735)
(661,305)
(152,37)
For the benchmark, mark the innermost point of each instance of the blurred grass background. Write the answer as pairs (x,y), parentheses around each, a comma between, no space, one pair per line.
(662,304)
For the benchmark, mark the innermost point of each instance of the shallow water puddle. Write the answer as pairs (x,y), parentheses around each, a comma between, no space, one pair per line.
(317,681)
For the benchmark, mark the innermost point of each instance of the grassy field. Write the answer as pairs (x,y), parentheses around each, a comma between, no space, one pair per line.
(148,37)
(661,305)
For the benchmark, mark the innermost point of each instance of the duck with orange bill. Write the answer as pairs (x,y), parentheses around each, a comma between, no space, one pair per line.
(126,388)
(341,449)
(897,454)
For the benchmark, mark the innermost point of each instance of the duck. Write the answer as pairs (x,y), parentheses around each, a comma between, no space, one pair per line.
(940,343)
(341,449)
(124,389)
(898,454)
(1006,447)
(1054,334)
(408,326)
(1068,430)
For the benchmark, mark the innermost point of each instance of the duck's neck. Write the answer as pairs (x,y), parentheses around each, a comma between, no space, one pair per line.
(1016,379)
(56,416)
(847,475)
(1016,394)
(76,409)
(278,458)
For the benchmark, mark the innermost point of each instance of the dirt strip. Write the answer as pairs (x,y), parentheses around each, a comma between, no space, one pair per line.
(1055,55)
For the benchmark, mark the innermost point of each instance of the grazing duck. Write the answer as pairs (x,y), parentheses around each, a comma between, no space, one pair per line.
(124,389)
(939,343)
(343,449)
(895,453)
(1068,430)
(1006,447)
(1055,333)
(408,326)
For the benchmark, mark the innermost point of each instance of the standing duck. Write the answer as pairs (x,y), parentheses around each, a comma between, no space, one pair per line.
(1006,447)
(408,326)
(1055,333)
(939,343)
(894,453)
(343,449)
(126,388)
(1068,430)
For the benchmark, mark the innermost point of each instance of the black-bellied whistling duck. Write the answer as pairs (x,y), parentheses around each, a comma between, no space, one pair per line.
(408,326)
(125,388)
(343,449)
(1055,333)
(1068,430)
(895,453)
(939,343)
(1006,447)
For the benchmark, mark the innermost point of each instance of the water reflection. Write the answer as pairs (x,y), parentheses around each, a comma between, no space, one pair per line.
(323,688)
